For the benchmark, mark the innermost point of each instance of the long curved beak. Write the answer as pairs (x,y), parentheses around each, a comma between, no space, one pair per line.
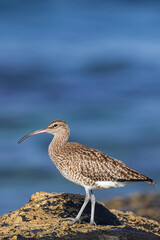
(33,133)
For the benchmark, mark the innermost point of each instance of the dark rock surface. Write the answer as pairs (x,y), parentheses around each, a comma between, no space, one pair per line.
(41,218)
(145,205)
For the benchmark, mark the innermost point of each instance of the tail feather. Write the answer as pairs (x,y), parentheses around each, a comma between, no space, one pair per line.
(147,180)
(130,175)
(150,181)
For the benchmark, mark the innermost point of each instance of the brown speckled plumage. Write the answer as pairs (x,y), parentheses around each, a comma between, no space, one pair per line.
(86,166)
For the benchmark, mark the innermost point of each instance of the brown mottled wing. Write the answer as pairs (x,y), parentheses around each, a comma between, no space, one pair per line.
(97,166)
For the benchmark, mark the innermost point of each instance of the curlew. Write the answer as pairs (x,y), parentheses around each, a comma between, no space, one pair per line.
(86,166)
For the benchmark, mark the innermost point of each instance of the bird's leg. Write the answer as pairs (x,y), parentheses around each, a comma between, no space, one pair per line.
(93,202)
(77,218)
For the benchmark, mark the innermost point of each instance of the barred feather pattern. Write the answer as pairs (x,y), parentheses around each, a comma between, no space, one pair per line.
(86,166)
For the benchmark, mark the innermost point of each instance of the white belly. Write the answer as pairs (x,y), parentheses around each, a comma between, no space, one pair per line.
(109,184)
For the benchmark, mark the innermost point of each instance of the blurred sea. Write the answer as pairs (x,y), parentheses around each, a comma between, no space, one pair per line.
(94,64)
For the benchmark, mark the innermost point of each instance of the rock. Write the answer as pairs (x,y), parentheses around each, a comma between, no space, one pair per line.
(41,218)
(145,205)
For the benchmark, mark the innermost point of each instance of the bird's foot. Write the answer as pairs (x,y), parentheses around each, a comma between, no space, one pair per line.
(74,220)
(93,223)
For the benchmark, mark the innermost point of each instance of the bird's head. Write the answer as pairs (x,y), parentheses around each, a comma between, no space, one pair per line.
(55,127)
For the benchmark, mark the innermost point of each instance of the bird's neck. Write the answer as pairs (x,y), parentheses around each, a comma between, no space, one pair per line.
(59,141)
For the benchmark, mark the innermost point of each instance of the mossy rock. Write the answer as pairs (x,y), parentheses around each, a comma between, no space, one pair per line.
(42,218)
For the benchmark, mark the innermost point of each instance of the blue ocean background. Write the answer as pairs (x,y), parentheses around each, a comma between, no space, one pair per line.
(94,64)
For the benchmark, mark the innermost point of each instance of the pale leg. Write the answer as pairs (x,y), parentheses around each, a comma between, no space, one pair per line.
(93,202)
(77,218)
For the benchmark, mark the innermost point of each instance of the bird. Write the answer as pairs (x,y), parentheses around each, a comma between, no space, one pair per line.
(86,166)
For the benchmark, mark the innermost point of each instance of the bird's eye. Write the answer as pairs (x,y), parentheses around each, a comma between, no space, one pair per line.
(55,125)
